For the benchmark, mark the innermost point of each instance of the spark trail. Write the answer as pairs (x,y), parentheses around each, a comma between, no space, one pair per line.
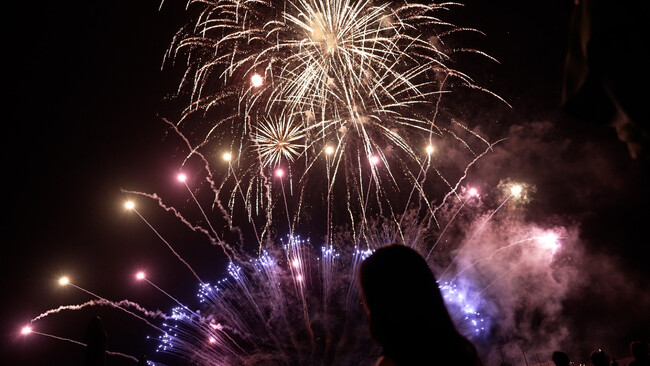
(544,241)
(129,205)
(183,179)
(26,331)
(65,282)
(515,191)
(472,193)
(103,302)
(142,277)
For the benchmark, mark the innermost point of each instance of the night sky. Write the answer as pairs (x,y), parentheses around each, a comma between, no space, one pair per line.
(83,109)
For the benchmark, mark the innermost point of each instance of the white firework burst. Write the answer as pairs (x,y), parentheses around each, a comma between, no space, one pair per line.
(276,139)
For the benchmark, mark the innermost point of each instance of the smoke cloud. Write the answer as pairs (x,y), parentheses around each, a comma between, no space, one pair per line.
(567,288)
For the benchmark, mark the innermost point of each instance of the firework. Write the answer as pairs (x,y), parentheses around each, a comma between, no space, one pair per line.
(276,140)
(298,303)
(290,305)
(324,106)
(354,80)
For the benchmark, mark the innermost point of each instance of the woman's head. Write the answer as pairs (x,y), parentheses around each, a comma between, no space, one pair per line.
(406,311)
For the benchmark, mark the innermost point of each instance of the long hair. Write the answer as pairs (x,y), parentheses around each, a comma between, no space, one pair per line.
(406,312)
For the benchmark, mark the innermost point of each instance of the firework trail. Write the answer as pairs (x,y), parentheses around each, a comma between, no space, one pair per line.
(178,215)
(131,206)
(182,178)
(548,241)
(515,191)
(28,330)
(64,281)
(472,192)
(102,302)
(141,276)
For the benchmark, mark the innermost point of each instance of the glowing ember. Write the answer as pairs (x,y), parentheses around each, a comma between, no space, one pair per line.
(516,190)
(374,160)
(257,80)
(550,241)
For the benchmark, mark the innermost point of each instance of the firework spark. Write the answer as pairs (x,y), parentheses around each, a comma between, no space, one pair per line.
(277,139)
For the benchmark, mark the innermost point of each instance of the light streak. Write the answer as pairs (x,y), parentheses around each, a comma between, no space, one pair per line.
(142,277)
(547,241)
(114,304)
(471,193)
(182,178)
(169,246)
(480,227)
(27,330)
(103,302)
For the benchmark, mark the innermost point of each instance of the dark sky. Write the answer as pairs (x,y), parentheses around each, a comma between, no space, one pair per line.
(83,103)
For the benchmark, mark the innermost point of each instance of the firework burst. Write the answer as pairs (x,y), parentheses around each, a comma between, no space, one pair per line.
(325,57)
(291,305)
(278,139)
(360,79)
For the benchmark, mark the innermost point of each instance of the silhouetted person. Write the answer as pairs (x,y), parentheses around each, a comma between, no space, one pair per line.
(639,351)
(96,343)
(599,358)
(560,358)
(407,314)
(605,69)
(143,361)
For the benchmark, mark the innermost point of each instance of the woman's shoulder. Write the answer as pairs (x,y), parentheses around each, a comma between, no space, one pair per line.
(385,361)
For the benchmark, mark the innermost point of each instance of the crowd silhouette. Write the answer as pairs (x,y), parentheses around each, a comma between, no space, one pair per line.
(598,357)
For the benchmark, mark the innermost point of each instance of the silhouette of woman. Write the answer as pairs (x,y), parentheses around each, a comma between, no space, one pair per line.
(95,338)
(407,314)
